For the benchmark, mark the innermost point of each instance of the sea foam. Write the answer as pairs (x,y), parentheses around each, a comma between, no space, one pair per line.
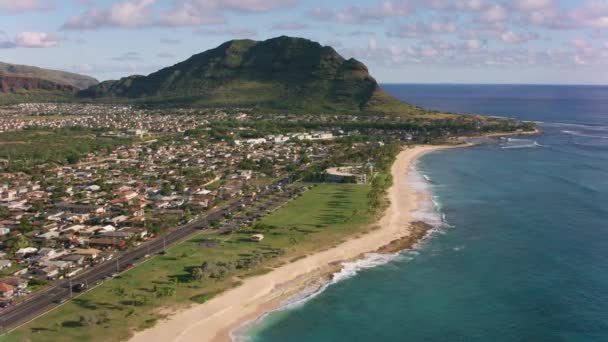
(428,211)
(510,143)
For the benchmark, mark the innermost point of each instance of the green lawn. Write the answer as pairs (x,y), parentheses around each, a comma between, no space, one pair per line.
(137,299)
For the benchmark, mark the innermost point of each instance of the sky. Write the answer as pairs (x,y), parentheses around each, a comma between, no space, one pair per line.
(401,41)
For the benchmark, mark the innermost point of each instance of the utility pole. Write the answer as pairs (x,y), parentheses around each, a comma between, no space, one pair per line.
(116,265)
(70,288)
(164,243)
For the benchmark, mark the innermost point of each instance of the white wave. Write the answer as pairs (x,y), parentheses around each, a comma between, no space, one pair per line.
(348,270)
(428,212)
(581,126)
(581,134)
(520,143)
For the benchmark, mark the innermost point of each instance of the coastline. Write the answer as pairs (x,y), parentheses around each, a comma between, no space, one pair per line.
(215,319)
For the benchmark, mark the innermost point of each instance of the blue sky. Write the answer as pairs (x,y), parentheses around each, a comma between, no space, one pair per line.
(408,41)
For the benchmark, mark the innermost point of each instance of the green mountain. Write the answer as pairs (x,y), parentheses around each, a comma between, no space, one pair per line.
(54,76)
(279,73)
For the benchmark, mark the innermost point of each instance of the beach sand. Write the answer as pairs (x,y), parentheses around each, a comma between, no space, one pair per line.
(215,319)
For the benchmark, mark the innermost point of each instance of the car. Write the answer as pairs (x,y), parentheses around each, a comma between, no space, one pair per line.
(161,253)
(79,287)
(5,304)
(60,300)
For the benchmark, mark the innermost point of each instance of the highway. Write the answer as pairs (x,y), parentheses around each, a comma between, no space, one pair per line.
(45,300)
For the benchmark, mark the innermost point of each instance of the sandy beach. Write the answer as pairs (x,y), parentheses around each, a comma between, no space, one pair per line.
(214,320)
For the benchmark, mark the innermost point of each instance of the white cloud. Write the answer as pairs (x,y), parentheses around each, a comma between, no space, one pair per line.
(372,44)
(593,13)
(360,14)
(128,56)
(232,32)
(207,12)
(420,29)
(534,5)
(472,44)
(495,13)
(289,26)
(141,13)
(165,54)
(31,40)
(517,38)
(170,41)
(16,6)
(129,14)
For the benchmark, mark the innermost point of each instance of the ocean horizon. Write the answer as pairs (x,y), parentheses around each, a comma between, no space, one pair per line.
(519,250)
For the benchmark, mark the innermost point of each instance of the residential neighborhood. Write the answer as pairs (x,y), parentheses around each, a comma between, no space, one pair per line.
(58,220)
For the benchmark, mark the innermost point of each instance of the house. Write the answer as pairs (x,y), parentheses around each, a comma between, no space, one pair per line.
(46,253)
(245,174)
(119,219)
(136,231)
(4,264)
(60,264)
(107,243)
(49,272)
(6,290)
(48,236)
(24,252)
(80,208)
(17,282)
(121,235)
(90,253)
(74,259)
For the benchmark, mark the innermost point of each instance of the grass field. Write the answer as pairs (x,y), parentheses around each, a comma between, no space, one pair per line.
(137,299)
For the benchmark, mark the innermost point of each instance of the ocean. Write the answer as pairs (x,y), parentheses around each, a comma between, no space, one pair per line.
(520,252)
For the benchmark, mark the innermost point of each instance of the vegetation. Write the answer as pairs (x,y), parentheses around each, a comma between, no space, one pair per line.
(23,150)
(283,73)
(61,77)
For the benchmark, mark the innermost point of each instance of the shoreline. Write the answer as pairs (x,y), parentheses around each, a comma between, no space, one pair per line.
(216,319)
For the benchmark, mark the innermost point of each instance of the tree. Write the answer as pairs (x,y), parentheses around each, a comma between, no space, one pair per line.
(104,317)
(4,213)
(166,190)
(25,225)
(19,242)
(120,291)
(72,158)
(180,187)
(197,274)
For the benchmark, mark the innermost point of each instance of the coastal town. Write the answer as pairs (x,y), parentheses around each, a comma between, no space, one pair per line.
(60,220)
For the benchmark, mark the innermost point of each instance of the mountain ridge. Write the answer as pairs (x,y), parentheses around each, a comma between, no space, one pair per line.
(278,73)
(59,77)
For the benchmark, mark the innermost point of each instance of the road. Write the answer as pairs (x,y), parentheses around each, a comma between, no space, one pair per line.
(39,303)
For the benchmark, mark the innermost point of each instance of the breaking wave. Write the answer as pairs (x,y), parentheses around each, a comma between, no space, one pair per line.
(510,143)
(584,135)
(429,211)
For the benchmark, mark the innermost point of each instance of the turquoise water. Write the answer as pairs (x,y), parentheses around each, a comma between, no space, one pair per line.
(524,252)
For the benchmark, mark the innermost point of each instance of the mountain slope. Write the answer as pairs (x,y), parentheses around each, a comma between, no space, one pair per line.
(60,77)
(279,73)
(10,83)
